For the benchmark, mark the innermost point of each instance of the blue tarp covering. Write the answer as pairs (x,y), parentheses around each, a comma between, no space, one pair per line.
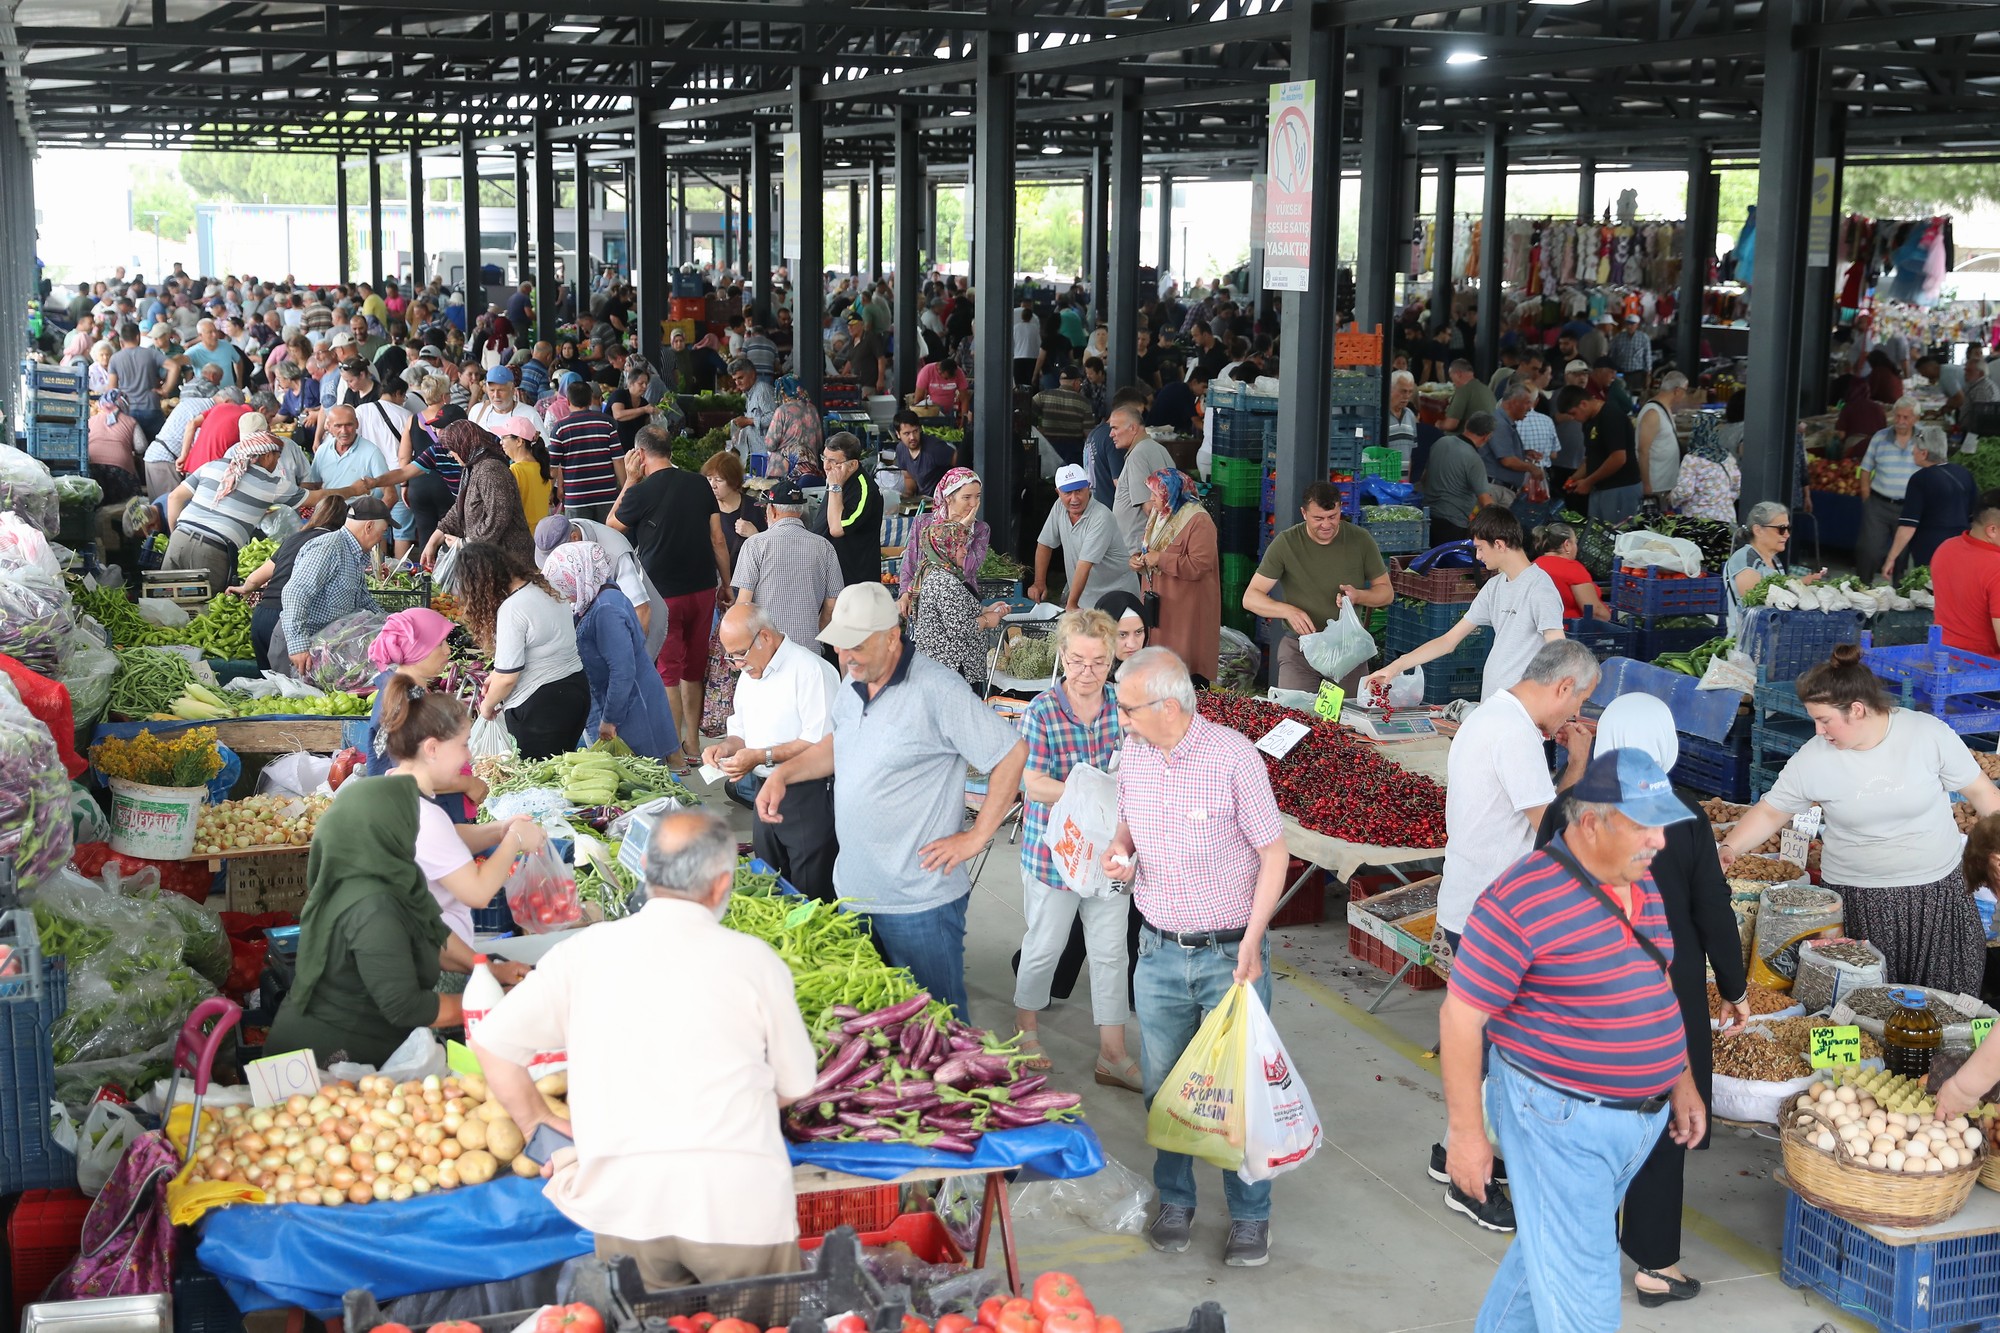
(270,1257)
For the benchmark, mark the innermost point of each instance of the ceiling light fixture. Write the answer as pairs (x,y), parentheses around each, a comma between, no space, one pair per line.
(1464,58)
(363,97)
(1430,127)
(943,52)
(1051,150)
(585,28)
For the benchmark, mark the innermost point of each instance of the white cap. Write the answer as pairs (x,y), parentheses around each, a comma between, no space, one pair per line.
(1070,477)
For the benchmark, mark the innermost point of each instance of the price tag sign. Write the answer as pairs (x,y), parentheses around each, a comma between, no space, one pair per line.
(1279,740)
(1807,821)
(1330,698)
(1794,845)
(1980,1027)
(460,1058)
(277,1077)
(1835,1046)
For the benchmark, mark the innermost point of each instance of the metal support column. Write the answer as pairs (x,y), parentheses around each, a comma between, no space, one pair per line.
(1443,254)
(1122,301)
(854,230)
(375,220)
(646,206)
(809,266)
(419,196)
(683,233)
(995,449)
(524,238)
(1304,406)
(468,218)
(765,225)
(1493,210)
(342,236)
(1586,187)
(745,209)
(875,220)
(1098,234)
(1819,316)
(1784,155)
(17,265)
(1384,240)
(1163,246)
(545,233)
(1260,193)
(586,254)
(1697,248)
(910,192)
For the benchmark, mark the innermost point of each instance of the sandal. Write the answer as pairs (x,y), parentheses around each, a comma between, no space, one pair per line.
(1037,1059)
(1678,1289)
(1126,1075)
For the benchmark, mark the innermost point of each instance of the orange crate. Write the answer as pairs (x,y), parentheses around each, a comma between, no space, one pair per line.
(1354,348)
(42,1238)
(869,1208)
(1368,949)
(922,1233)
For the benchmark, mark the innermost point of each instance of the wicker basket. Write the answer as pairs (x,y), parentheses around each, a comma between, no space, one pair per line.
(1989,1173)
(1869,1195)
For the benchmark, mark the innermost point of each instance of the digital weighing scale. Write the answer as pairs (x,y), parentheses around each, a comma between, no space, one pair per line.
(1411,725)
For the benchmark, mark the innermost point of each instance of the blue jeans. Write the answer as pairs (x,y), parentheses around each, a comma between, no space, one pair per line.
(1176,987)
(1568,1163)
(1615,504)
(931,944)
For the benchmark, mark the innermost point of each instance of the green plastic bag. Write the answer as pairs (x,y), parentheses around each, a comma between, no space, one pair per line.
(1199,1107)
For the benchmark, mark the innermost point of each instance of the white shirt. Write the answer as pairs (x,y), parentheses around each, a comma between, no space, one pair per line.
(789,702)
(382,425)
(1027,339)
(676,1122)
(489,418)
(1494,772)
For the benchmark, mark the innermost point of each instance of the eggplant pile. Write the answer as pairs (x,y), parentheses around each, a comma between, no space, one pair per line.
(912,1073)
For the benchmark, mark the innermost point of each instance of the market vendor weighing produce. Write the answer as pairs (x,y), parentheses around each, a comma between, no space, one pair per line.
(1318,561)
(669,1147)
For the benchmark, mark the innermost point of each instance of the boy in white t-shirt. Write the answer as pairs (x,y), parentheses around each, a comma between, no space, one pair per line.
(1520,604)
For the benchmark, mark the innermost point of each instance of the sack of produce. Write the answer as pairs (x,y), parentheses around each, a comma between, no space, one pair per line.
(88,676)
(35,624)
(1236,663)
(1787,915)
(1829,969)
(35,834)
(1651,550)
(1760,1067)
(1341,647)
(27,489)
(541,894)
(340,652)
(22,546)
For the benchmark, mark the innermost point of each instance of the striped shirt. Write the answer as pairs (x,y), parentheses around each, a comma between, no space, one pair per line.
(1057,743)
(534,378)
(1199,815)
(583,447)
(329,580)
(434,457)
(234,517)
(1891,465)
(1569,994)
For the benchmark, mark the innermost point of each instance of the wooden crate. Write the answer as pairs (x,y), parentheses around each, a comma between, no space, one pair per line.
(265,881)
(253,736)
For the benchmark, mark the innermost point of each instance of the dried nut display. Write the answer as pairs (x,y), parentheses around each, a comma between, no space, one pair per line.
(1761,999)
(1770,869)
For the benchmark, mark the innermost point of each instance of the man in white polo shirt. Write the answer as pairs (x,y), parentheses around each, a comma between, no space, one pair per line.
(1095,558)
(783,700)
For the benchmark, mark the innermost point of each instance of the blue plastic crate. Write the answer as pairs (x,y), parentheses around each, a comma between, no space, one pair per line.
(1604,638)
(1398,536)
(1350,499)
(1925,1286)
(1650,641)
(1787,644)
(1245,435)
(1714,770)
(58,442)
(1934,670)
(1235,396)
(1778,696)
(494,919)
(1444,682)
(1237,530)
(1344,446)
(1966,714)
(1649,594)
(29,1004)
(1897,629)
(1355,388)
(1413,623)
(1773,743)
(1763,777)
(1697,712)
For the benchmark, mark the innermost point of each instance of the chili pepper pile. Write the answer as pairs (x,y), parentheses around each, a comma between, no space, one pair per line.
(1337,785)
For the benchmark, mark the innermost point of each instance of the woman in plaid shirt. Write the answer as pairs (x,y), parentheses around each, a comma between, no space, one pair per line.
(1074,721)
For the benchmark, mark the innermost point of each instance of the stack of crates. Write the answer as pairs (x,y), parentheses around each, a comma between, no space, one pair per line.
(55,416)
(1647,598)
(1359,401)
(1240,495)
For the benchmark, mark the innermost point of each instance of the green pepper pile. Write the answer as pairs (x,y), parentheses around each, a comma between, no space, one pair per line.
(831,958)
(1694,662)
(254,553)
(131,986)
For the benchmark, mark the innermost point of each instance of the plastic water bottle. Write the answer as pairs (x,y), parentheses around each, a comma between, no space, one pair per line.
(482,992)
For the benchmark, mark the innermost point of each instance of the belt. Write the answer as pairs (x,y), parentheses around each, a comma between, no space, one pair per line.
(1874,494)
(1196,939)
(1642,1105)
(205,538)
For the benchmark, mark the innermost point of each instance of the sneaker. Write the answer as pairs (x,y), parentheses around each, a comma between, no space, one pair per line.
(1249,1244)
(1173,1229)
(1496,1214)
(1442,1176)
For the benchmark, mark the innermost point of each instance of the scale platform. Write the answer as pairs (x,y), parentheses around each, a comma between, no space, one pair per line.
(1406,725)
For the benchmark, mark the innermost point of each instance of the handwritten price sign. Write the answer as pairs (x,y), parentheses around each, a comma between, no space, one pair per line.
(1328,703)
(1835,1046)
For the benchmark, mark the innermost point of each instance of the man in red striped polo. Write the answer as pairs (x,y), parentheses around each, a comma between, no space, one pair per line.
(1563,971)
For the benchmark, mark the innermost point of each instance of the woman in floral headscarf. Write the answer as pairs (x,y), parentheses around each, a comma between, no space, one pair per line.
(955,499)
(488,507)
(948,624)
(627,700)
(794,436)
(116,437)
(1181,566)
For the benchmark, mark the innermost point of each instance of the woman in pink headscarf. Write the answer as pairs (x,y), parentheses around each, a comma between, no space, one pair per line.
(628,702)
(414,643)
(955,499)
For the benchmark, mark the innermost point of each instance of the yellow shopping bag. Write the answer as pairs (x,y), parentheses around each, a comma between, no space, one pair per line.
(1199,1107)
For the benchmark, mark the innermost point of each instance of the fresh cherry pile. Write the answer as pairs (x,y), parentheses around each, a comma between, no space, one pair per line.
(1336,784)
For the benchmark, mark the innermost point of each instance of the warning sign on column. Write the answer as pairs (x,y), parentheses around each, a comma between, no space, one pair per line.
(1288,200)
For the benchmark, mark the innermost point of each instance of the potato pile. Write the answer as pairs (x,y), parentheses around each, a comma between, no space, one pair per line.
(1866,1132)
(371,1141)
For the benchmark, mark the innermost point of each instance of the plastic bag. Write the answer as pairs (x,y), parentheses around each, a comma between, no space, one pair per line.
(131,1075)
(339,652)
(1341,647)
(1080,826)
(1730,671)
(98,1143)
(1774,951)
(87,820)
(35,834)
(1114,1201)
(204,946)
(1199,1107)
(444,573)
(27,489)
(1236,662)
(541,893)
(299,773)
(35,624)
(490,737)
(118,1006)
(159,611)
(1281,1130)
(88,675)
(1821,981)
(23,546)
(1407,690)
(1650,550)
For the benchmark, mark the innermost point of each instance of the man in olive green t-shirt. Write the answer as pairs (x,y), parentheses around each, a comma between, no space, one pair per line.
(1318,561)
(1468,396)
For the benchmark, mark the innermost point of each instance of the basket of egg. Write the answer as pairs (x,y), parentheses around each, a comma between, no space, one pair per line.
(1846,1153)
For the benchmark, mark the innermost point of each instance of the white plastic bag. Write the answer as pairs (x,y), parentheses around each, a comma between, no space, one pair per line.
(22,544)
(99,1144)
(1114,1201)
(1081,825)
(161,612)
(1341,647)
(1407,690)
(1644,549)
(489,737)
(1281,1129)
(444,573)
(299,773)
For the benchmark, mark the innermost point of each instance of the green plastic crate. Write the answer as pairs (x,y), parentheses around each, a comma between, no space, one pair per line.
(1239,481)
(1385,464)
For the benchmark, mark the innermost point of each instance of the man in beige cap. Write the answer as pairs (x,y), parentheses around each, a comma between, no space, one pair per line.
(904,731)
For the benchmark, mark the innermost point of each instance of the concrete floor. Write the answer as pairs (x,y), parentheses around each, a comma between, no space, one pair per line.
(1360,1232)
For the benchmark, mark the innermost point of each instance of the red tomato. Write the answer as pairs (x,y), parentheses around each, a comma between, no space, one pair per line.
(392,1328)
(574,1318)
(989,1311)
(850,1323)
(455,1326)
(704,1321)
(912,1324)
(1057,1291)
(1076,1319)
(1017,1316)
(1106,1324)
(733,1326)
(953,1323)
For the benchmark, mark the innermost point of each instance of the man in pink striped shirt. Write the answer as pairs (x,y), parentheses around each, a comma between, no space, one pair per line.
(1199,834)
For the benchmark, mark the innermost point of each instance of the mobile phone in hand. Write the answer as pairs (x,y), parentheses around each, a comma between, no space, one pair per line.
(546,1143)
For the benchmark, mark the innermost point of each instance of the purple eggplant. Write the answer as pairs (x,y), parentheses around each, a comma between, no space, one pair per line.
(880,1134)
(964,1142)
(955,1071)
(856,1121)
(1048,1101)
(843,1011)
(818,1133)
(1021,1087)
(963,1044)
(895,1013)
(843,1063)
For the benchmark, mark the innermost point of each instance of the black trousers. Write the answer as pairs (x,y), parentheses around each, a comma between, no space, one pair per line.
(804,846)
(551,721)
(263,620)
(430,499)
(1444,530)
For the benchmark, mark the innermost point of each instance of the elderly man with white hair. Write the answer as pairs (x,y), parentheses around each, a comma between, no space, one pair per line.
(1402,436)
(210,349)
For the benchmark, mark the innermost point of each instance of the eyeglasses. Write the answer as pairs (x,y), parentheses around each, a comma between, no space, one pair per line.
(1077,666)
(1131,710)
(738,659)
(1779,527)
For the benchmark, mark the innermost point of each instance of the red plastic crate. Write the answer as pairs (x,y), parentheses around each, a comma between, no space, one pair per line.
(1308,905)
(1368,949)
(43,1236)
(870,1208)
(923,1234)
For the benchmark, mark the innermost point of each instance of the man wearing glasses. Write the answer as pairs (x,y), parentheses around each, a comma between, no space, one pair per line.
(1200,840)
(783,698)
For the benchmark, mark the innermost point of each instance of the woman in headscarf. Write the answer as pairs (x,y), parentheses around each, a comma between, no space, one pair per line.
(794,436)
(1695,896)
(627,700)
(955,500)
(372,939)
(1128,613)
(488,508)
(1182,567)
(1710,479)
(116,437)
(948,624)
(567,359)
(554,405)
(99,370)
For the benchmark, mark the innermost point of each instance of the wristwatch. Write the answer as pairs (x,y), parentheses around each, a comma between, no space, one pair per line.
(768,760)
